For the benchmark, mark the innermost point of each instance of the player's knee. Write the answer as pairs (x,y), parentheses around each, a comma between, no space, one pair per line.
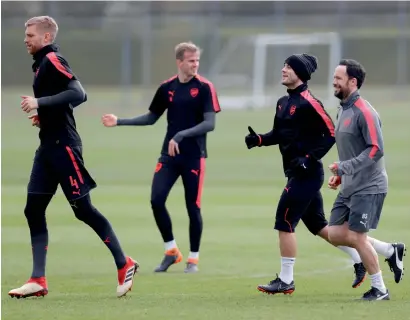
(285,226)
(194,214)
(193,207)
(338,235)
(357,239)
(79,211)
(35,211)
(36,219)
(82,208)
(158,202)
(29,211)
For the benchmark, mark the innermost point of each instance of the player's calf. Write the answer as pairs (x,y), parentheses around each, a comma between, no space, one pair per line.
(86,212)
(34,287)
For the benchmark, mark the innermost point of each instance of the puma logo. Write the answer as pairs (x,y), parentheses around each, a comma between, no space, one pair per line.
(196,172)
(287,189)
(76,192)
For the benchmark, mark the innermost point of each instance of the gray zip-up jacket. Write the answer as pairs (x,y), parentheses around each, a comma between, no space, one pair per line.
(359,143)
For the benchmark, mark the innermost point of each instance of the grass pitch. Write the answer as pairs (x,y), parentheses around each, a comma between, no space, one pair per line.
(239,247)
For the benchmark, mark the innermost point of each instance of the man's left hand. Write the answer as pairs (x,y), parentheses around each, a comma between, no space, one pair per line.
(173,148)
(28,103)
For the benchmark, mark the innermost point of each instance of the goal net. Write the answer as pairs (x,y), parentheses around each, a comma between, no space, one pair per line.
(247,71)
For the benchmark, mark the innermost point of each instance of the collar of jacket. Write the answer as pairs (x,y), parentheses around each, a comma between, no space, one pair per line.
(298,89)
(350,100)
(40,54)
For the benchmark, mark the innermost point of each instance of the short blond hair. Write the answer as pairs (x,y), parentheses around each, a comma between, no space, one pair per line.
(183,47)
(46,23)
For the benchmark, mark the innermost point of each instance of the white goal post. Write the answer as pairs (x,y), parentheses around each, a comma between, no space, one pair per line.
(260,96)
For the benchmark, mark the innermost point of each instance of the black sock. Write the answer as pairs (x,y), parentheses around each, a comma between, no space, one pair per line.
(35,213)
(39,244)
(86,212)
(195,229)
(163,220)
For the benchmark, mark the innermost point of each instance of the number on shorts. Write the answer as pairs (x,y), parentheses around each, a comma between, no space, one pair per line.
(74,182)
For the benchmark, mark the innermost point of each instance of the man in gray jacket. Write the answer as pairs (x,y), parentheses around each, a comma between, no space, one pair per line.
(362,174)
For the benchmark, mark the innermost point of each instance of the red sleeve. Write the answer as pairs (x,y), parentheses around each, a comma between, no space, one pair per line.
(209,96)
(61,65)
(370,129)
(327,121)
(322,123)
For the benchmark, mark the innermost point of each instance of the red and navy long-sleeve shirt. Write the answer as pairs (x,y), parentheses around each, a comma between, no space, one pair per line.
(186,104)
(301,128)
(56,100)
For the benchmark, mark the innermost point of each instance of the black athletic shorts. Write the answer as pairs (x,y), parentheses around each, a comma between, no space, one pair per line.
(60,165)
(301,200)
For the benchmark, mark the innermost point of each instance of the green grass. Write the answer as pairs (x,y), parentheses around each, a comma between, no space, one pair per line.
(239,247)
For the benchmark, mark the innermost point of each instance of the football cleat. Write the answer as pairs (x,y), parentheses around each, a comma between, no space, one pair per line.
(35,287)
(191,266)
(395,262)
(126,277)
(360,272)
(171,257)
(277,286)
(375,295)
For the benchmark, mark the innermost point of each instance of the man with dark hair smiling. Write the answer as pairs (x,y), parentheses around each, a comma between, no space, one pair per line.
(363,178)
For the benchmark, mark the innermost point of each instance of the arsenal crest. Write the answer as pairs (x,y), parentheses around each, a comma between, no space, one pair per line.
(194,92)
(292,110)
(347,122)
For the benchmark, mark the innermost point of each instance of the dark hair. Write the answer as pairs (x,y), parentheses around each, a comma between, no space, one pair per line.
(354,70)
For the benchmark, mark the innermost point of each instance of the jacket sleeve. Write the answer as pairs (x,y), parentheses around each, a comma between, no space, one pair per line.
(322,122)
(272,137)
(269,139)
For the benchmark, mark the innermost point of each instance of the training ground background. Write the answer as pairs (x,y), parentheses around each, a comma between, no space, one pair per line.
(239,247)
